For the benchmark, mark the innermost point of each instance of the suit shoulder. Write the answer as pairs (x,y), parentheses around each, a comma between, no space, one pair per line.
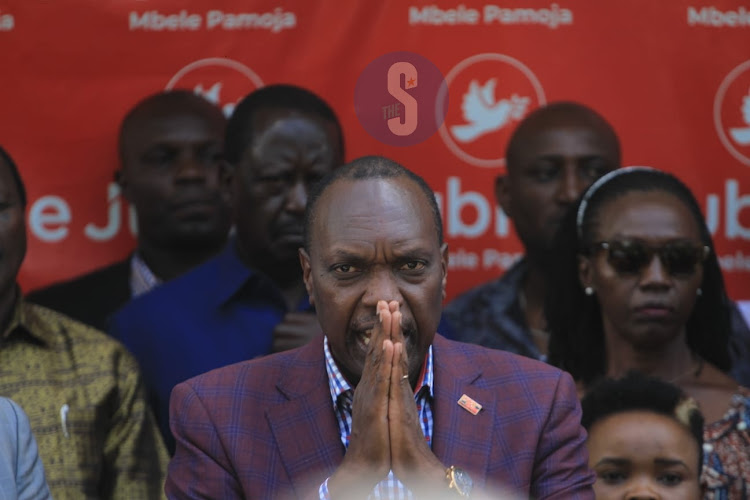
(498,362)
(67,333)
(264,370)
(90,282)
(189,286)
(90,298)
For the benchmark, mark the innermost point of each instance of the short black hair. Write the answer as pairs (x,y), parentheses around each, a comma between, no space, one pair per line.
(369,167)
(164,100)
(638,392)
(575,319)
(280,96)
(5,156)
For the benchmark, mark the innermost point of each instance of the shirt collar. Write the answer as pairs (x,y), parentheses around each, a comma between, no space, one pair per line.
(29,323)
(339,385)
(142,279)
(233,276)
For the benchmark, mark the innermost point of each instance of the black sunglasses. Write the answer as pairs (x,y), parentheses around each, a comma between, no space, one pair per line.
(680,258)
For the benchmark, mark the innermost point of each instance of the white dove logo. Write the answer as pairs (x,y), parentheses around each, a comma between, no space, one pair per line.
(484,113)
(213,95)
(496,92)
(741,135)
(219,80)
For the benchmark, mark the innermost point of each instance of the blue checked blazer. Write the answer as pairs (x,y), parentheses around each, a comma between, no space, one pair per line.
(266,428)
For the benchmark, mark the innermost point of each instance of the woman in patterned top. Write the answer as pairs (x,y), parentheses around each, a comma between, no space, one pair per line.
(638,287)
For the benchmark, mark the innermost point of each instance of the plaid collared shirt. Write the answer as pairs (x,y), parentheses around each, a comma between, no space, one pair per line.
(142,279)
(342,395)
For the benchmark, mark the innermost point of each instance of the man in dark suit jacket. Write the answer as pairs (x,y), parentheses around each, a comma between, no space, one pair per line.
(90,298)
(172,172)
(380,403)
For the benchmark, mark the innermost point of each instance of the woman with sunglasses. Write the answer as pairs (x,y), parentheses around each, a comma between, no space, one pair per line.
(638,287)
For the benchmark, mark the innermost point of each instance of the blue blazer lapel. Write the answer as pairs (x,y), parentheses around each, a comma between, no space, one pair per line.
(460,438)
(305,427)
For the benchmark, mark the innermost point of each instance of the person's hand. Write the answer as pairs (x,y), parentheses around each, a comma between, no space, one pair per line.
(295,330)
(368,459)
(412,460)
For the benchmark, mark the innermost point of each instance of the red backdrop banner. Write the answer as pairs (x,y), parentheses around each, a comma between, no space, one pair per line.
(672,77)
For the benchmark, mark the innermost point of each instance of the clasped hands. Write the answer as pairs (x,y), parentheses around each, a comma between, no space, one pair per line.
(386,433)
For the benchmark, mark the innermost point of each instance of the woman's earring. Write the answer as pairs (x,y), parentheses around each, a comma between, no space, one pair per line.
(699,292)
(589,290)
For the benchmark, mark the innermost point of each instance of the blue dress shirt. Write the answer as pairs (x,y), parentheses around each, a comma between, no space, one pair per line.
(21,469)
(217,314)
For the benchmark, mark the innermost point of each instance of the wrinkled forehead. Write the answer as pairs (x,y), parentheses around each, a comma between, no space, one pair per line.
(181,121)
(575,138)
(172,121)
(372,208)
(568,140)
(270,118)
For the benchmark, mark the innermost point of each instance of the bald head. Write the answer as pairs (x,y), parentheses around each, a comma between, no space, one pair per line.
(370,167)
(559,115)
(165,105)
(554,154)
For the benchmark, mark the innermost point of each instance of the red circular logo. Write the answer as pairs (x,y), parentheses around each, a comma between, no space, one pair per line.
(399,97)
(732,112)
(222,81)
(490,93)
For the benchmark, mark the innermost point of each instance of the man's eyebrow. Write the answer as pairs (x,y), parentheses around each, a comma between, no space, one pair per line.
(341,253)
(410,251)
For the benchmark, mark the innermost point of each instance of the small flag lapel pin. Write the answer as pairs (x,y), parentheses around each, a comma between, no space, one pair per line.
(469,404)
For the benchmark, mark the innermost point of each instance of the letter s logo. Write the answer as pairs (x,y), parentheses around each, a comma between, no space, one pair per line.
(410,104)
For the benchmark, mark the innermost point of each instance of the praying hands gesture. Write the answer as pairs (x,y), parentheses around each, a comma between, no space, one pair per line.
(386,433)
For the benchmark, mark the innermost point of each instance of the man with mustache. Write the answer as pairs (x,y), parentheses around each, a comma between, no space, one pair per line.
(172,172)
(250,299)
(380,404)
(554,154)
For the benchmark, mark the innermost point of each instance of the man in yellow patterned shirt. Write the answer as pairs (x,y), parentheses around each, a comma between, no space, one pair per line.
(81,389)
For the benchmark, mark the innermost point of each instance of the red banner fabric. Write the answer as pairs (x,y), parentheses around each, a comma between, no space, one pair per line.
(672,77)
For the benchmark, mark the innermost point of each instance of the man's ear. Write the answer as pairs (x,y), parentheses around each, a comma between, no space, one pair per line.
(444,265)
(307,276)
(502,193)
(585,271)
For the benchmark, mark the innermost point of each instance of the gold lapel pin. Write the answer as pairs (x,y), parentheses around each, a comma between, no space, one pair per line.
(469,404)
